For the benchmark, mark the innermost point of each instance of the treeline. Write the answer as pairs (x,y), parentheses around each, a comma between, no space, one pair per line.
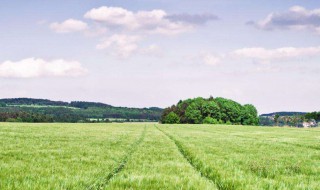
(45,102)
(39,115)
(76,111)
(284,114)
(85,105)
(277,120)
(300,119)
(31,101)
(313,115)
(210,111)
(21,116)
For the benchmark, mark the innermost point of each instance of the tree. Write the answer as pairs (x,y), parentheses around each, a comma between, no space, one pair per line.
(230,110)
(250,115)
(211,109)
(181,109)
(166,112)
(172,118)
(276,119)
(210,120)
(313,115)
(195,111)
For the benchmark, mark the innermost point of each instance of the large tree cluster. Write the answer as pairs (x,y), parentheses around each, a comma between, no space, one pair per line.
(211,111)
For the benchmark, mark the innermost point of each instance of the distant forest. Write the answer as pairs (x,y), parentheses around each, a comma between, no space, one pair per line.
(284,114)
(42,110)
(210,111)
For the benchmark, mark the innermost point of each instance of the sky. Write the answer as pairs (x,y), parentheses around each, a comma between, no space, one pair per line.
(146,53)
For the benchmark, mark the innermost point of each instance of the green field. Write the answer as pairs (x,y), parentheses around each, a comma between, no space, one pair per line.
(153,156)
(39,106)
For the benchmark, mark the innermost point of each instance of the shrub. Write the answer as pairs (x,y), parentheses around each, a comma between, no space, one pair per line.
(228,123)
(11,120)
(210,120)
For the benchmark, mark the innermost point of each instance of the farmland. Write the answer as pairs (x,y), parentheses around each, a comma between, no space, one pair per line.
(153,156)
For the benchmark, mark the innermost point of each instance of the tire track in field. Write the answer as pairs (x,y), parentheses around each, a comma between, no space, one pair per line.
(104,181)
(278,143)
(206,172)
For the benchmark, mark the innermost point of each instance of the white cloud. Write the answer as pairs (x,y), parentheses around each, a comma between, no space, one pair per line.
(205,58)
(95,31)
(111,15)
(296,18)
(197,19)
(68,26)
(123,45)
(210,59)
(152,50)
(126,28)
(155,21)
(259,55)
(33,67)
(279,53)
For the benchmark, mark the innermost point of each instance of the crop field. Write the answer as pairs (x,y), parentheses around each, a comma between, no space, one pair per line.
(154,156)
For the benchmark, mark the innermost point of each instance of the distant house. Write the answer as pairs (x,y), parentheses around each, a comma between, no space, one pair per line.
(311,123)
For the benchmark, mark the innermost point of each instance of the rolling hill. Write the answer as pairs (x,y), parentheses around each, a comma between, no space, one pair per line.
(43,110)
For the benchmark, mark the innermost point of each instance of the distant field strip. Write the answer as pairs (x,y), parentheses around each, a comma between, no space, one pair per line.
(39,106)
(103,182)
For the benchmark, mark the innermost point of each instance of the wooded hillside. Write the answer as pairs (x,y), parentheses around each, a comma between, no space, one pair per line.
(41,110)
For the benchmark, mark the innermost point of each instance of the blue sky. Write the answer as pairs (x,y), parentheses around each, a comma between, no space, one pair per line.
(143,53)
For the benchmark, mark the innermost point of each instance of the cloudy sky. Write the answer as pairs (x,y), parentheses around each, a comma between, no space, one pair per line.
(143,53)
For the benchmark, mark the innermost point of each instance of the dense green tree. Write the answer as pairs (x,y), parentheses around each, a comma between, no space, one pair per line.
(194,112)
(166,112)
(230,110)
(201,108)
(213,110)
(313,115)
(250,115)
(172,118)
(181,109)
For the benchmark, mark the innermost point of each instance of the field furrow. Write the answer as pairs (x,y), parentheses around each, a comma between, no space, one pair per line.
(61,156)
(158,164)
(196,164)
(103,182)
(262,162)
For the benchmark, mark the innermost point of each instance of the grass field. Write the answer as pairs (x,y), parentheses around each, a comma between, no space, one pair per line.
(153,156)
